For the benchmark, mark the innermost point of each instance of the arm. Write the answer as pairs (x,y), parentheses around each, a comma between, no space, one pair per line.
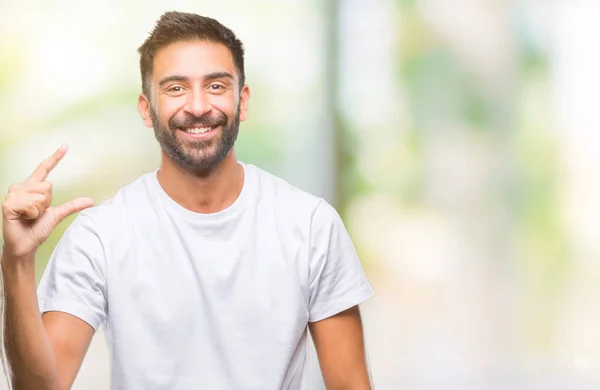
(36,353)
(337,286)
(31,362)
(42,352)
(341,351)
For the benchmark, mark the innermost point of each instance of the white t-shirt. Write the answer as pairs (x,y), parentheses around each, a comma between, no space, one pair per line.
(206,301)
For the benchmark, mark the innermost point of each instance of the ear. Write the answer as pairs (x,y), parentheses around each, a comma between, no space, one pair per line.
(144,110)
(244,98)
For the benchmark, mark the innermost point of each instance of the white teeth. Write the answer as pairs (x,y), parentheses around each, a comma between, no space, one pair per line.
(198,130)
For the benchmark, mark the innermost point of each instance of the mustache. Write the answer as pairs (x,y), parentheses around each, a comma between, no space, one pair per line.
(199,121)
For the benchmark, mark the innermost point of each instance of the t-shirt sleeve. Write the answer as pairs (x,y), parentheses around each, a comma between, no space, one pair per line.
(337,279)
(73,281)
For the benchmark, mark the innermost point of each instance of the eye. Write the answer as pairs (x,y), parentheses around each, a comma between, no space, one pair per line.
(175,88)
(216,87)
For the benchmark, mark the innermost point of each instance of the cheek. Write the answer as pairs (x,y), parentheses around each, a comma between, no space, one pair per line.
(227,107)
(168,107)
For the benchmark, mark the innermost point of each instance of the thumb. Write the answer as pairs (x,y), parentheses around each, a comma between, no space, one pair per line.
(73,206)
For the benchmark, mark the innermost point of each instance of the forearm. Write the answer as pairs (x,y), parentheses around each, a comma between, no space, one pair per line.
(30,359)
(353,380)
(340,348)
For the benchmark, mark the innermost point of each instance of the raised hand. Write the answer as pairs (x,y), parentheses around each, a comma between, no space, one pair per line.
(27,215)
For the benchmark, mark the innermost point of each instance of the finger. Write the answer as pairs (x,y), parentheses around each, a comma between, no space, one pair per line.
(73,206)
(14,188)
(28,206)
(44,169)
(42,187)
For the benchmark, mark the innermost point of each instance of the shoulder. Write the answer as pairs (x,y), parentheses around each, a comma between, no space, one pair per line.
(326,216)
(296,204)
(114,212)
(283,194)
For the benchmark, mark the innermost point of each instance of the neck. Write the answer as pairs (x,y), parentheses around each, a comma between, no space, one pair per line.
(202,194)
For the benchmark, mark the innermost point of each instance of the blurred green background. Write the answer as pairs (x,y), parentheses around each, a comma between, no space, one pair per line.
(458,139)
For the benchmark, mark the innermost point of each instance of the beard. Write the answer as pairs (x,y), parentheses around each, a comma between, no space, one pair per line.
(199,157)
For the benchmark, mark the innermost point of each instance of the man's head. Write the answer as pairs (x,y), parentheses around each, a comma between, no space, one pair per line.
(194,92)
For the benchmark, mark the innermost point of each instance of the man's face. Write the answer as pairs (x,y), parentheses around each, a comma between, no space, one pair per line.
(196,106)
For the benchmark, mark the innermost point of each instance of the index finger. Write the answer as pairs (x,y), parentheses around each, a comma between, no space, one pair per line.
(44,169)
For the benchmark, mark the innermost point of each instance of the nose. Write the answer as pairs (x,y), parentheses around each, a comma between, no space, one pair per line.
(198,103)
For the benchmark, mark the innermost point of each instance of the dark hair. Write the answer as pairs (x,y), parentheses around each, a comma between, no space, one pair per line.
(180,26)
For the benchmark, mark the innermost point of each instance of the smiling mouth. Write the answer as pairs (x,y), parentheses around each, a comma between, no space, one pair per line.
(198,130)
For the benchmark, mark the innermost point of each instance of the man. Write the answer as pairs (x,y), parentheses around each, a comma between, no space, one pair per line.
(205,273)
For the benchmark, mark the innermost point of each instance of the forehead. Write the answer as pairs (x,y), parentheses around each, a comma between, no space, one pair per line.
(192,59)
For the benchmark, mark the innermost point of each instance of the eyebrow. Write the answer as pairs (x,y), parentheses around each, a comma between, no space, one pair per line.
(208,77)
(168,79)
(218,75)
